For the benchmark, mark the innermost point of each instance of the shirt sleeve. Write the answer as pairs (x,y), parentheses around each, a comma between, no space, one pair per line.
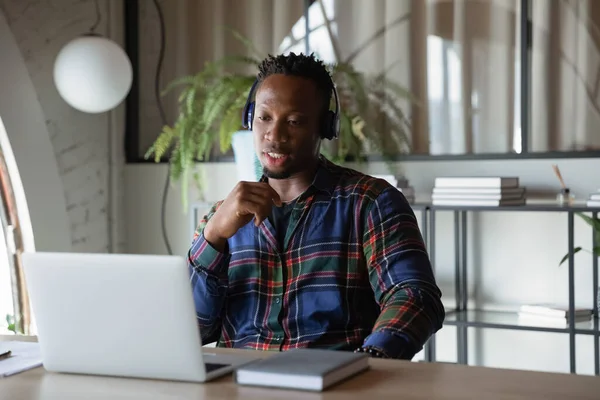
(208,273)
(401,277)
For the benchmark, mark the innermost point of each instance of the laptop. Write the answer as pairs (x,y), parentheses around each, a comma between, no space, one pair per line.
(120,315)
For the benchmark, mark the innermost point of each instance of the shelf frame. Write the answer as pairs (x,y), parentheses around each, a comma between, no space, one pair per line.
(462,321)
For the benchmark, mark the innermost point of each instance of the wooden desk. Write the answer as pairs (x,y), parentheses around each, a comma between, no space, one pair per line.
(387,379)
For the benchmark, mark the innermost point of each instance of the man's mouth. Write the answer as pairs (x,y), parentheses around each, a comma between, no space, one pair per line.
(274,158)
(276,155)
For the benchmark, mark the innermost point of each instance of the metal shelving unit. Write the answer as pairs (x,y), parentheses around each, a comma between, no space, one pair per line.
(464,318)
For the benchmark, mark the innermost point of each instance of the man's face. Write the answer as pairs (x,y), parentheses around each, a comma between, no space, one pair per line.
(286,125)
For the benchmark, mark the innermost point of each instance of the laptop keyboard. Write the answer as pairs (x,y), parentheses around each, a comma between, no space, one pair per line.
(213,366)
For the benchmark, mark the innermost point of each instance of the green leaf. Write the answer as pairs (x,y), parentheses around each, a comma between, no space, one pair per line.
(12,324)
(198,180)
(185,80)
(231,124)
(593,222)
(176,166)
(595,225)
(161,144)
(184,188)
(189,100)
(217,101)
(566,257)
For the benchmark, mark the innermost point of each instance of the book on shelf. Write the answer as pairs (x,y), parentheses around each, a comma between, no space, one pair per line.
(492,192)
(478,191)
(478,202)
(594,199)
(476,182)
(558,322)
(552,310)
(303,369)
(476,196)
(551,315)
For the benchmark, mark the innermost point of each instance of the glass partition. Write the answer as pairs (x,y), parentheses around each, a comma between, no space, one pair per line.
(488,77)
(484,78)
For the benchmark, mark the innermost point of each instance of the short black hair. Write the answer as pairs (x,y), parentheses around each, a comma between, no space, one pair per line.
(301,65)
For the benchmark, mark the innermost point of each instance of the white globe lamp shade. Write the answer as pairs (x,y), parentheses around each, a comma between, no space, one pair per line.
(93,74)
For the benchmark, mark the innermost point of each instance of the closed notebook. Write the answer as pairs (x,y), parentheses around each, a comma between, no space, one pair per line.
(304,369)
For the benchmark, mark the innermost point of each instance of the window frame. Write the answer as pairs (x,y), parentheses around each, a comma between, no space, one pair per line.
(131,137)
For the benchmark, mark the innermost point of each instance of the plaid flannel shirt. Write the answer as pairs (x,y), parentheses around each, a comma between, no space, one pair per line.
(353,272)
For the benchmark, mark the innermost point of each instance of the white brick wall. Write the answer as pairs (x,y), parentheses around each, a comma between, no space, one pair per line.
(80,141)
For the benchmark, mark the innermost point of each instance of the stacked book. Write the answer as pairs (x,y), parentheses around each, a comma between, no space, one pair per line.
(478,191)
(594,200)
(401,183)
(551,314)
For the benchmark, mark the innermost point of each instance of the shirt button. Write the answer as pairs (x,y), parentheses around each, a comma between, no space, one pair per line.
(277,300)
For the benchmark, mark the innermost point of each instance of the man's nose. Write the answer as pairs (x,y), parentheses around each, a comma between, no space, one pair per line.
(277,132)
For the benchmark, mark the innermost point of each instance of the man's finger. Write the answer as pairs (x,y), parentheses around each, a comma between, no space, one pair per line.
(275,196)
(265,189)
(246,207)
(258,220)
(259,210)
(260,215)
(257,198)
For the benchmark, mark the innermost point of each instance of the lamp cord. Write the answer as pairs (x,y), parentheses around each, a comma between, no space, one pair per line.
(163,118)
(97,22)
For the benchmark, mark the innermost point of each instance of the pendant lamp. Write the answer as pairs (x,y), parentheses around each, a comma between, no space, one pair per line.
(93,73)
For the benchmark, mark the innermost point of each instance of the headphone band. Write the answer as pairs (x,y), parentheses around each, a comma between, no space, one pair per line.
(337,110)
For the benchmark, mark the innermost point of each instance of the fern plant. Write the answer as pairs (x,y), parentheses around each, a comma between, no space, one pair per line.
(210,105)
(211,102)
(372,121)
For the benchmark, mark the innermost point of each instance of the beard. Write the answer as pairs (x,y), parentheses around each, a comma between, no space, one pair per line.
(277,175)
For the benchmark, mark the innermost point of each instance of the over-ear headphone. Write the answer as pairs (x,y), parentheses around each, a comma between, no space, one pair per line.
(331,123)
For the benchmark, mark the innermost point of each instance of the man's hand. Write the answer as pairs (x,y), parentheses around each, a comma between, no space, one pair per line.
(246,201)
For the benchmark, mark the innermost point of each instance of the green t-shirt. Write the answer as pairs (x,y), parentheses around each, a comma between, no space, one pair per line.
(280,217)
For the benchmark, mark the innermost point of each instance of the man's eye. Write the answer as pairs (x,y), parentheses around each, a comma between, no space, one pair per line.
(262,118)
(294,122)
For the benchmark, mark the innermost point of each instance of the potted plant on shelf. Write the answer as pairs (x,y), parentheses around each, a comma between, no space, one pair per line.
(594,223)
(211,102)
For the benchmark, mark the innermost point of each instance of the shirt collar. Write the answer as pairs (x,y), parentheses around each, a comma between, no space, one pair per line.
(324,179)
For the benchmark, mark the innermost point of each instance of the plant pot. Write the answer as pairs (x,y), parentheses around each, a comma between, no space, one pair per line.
(247,164)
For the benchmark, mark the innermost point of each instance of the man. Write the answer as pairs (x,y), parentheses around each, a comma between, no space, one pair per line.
(333,259)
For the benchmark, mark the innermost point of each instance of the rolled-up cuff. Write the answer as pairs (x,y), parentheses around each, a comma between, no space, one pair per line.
(393,345)
(203,255)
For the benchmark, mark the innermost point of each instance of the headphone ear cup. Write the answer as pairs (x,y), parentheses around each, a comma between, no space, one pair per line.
(248,112)
(245,116)
(335,126)
(248,116)
(328,131)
